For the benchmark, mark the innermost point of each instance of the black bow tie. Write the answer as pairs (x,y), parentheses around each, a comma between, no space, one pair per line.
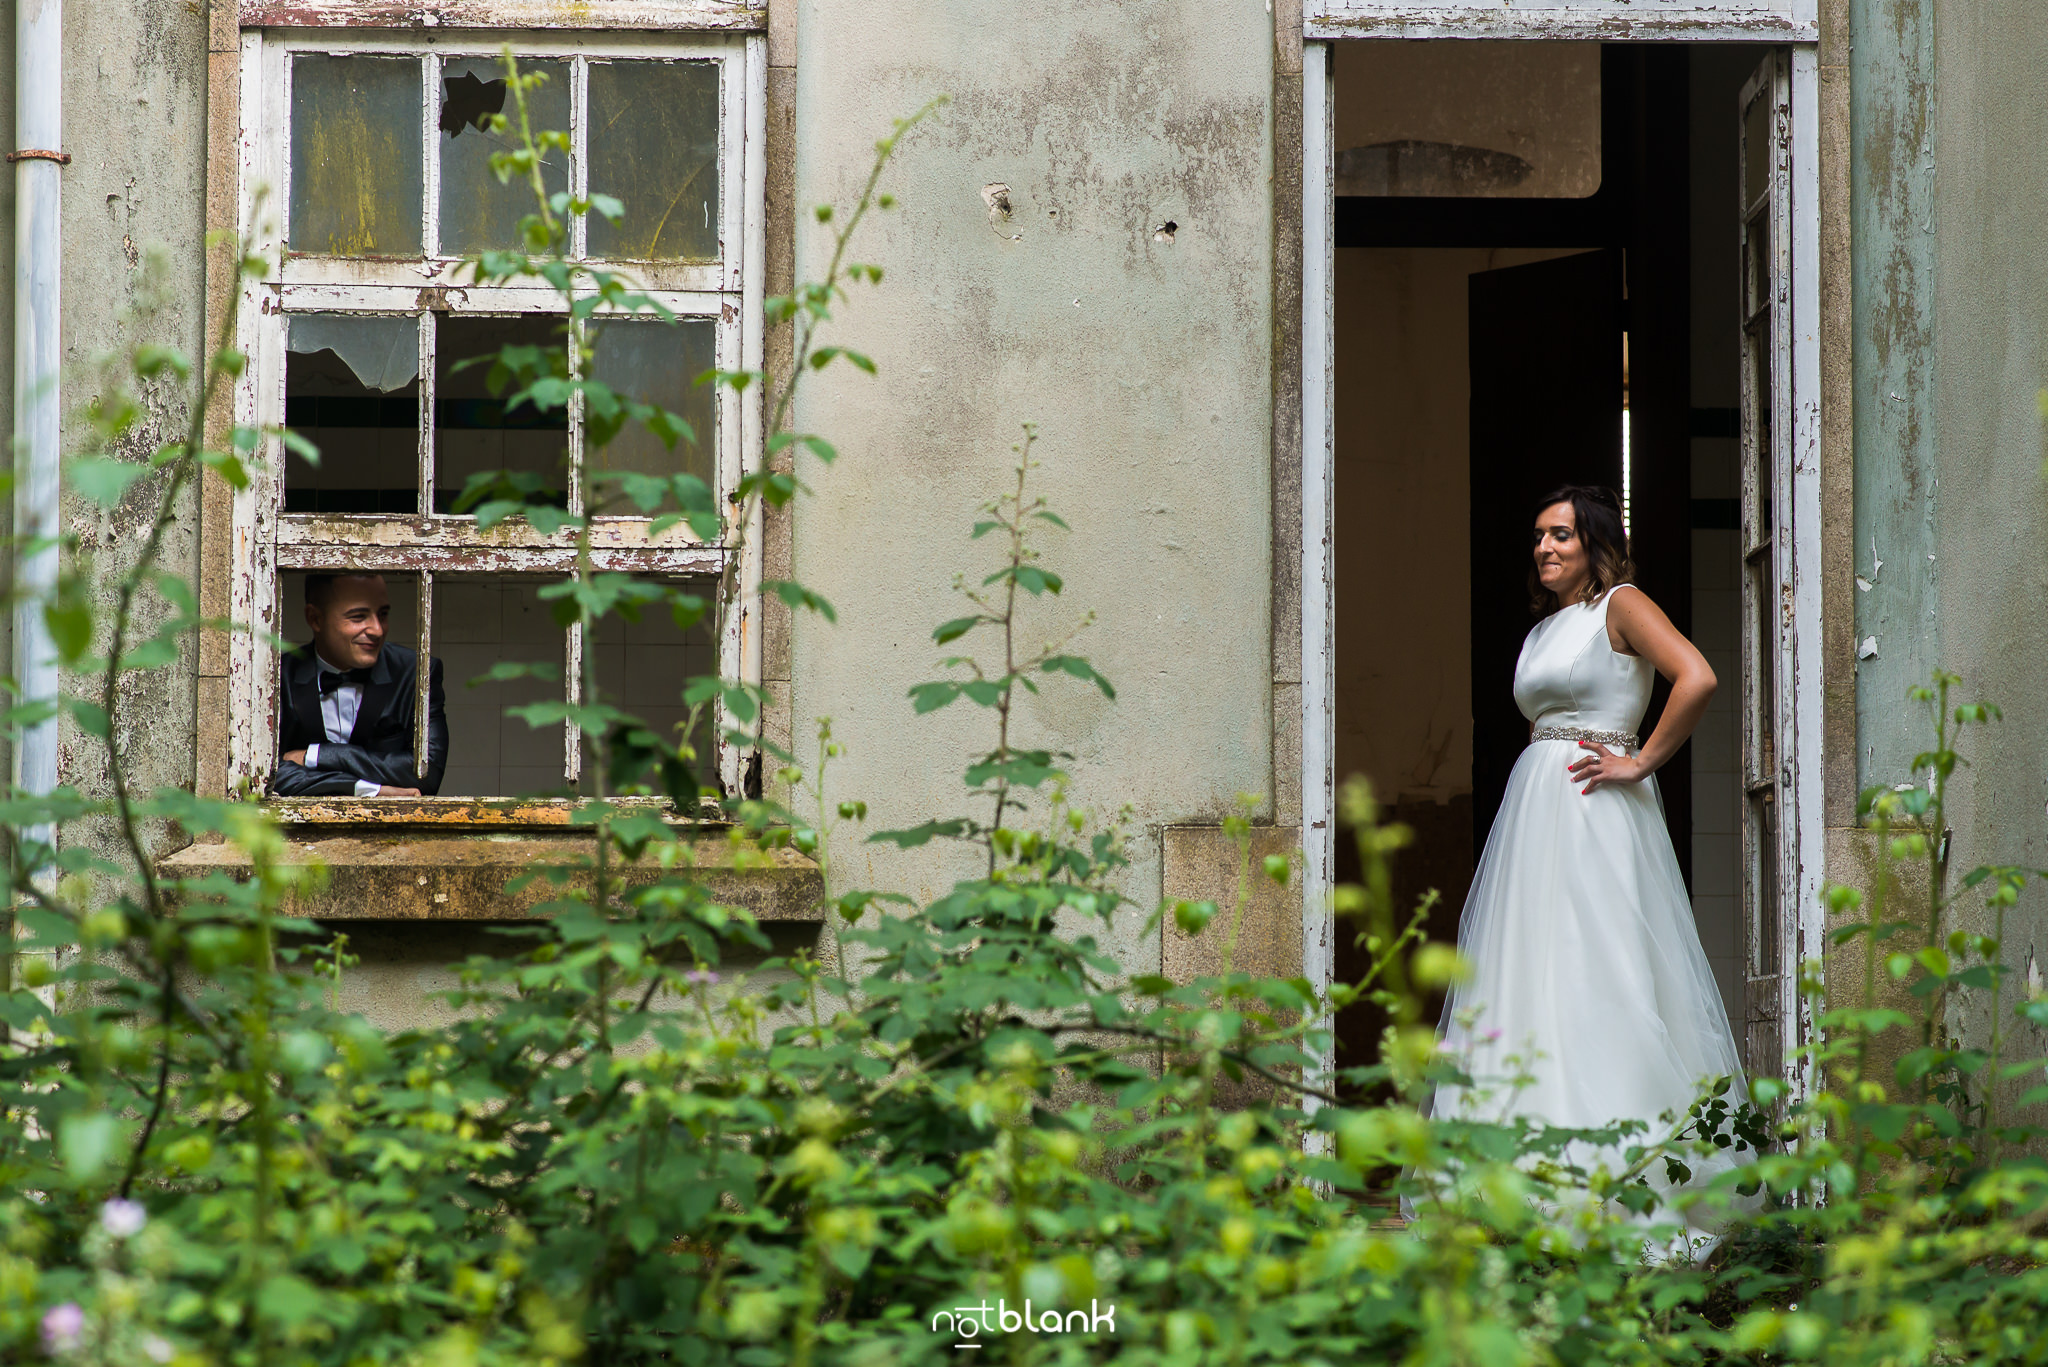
(331,679)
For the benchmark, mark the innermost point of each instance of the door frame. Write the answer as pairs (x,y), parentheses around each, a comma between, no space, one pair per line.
(1789,24)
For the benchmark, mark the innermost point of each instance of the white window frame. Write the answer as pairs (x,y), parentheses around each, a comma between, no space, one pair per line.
(1791,23)
(1714,21)
(266,540)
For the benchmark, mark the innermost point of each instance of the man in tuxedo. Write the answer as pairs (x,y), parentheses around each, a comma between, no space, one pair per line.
(348,701)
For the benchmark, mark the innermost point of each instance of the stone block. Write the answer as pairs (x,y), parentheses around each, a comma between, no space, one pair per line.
(1201,863)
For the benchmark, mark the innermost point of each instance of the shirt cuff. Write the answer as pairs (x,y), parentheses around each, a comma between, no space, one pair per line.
(365,788)
(313,756)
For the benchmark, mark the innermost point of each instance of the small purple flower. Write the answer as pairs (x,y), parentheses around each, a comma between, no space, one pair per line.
(1491,1036)
(701,977)
(63,1327)
(123,1219)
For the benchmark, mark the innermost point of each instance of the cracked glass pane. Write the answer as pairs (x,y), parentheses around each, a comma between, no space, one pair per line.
(351,387)
(473,429)
(658,363)
(654,147)
(477,213)
(355,173)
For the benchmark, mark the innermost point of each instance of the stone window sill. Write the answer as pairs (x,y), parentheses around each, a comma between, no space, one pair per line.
(446,859)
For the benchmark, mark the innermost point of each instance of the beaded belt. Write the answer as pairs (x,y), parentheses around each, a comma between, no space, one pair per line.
(1625,739)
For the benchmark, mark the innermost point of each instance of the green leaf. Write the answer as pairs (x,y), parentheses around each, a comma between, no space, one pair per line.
(795,595)
(955,629)
(103,479)
(287,1300)
(930,697)
(1080,669)
(1036,581)
(70,622)
(502,670)
(151,361)
(920,835)
(300,446)
(90,716)
(87,1143)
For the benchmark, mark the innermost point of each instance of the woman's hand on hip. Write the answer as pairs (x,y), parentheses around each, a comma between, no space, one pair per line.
(1605,766)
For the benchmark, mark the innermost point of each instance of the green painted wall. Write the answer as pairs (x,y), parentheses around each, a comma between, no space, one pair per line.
(1892,201)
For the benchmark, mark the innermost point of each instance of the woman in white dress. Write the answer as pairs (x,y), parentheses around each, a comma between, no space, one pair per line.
(1586,965)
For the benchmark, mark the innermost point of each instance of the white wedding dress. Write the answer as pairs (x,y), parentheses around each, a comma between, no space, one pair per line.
(1587,967)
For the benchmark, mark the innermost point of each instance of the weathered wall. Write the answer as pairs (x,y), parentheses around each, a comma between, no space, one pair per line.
(1892,197)
(134,117)
(1990,530)
(1145,362)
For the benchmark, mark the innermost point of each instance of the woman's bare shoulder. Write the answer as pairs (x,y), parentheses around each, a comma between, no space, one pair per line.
(1631,603)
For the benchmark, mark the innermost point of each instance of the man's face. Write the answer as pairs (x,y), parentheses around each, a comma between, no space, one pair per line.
(349,631)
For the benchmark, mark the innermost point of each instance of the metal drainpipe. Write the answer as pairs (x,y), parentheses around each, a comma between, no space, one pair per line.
(38,353)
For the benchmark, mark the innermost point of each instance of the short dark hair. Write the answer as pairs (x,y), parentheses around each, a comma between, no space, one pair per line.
(320,587)
(1596,512)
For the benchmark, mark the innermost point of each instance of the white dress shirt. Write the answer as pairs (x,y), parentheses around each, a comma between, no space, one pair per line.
(338,718)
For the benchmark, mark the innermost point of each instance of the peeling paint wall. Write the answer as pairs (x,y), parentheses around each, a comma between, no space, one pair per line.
(1991,538)
(133,229)
(1892,202)
(1145,362)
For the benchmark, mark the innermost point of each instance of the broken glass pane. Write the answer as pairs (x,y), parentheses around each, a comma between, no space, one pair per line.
(654,147)
(355,173)
(658,363)
(473,430)
(477,213)
(351,387)
(478,621)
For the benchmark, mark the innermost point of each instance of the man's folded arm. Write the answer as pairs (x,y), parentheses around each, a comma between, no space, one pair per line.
(356,762)
(296,780)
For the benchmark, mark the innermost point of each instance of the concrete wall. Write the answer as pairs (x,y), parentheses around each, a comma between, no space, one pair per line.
(1989,496)
(134,117)
(1145,363)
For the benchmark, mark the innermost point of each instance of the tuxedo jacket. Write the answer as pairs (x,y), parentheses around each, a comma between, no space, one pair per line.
(379,749)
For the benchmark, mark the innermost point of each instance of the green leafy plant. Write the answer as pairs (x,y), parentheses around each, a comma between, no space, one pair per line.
(617,1148)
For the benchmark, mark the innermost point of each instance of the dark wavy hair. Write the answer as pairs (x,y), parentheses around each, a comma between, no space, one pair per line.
(1597,513)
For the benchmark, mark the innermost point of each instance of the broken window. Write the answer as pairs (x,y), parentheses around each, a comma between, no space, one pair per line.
(363,339)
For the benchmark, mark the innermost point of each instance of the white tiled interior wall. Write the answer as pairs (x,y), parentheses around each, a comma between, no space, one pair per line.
(641,667)
(477,622)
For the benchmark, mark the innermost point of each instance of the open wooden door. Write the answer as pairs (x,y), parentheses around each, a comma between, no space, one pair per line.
(1770,933)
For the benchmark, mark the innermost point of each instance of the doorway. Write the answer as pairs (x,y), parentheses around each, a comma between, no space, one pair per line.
(1537,280)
